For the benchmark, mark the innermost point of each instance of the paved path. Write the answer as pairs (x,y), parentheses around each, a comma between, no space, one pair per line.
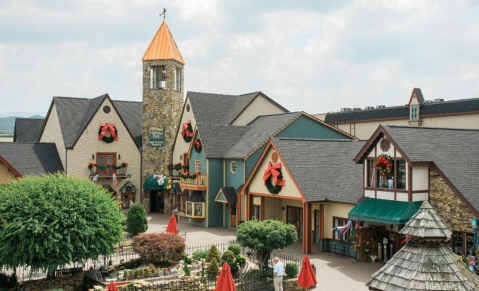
(333,272)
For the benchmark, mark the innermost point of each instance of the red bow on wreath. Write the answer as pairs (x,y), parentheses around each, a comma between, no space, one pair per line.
(273,170)
(107,127)
(185,129)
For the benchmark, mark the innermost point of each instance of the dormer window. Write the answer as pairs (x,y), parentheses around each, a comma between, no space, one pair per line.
(414,112)
(157,77)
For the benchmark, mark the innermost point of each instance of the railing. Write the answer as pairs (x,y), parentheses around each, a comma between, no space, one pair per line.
(199,183)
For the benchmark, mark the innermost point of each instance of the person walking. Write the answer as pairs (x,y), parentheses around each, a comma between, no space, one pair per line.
(278,274)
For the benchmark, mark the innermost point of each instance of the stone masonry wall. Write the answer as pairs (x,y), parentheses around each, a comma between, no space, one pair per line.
(161,109)
(452,210)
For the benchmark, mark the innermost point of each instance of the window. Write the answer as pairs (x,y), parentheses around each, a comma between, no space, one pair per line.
(198,166)
(397,179)
(337,222)
(157,77)
(103,160)
(128,199)
(178,80)
(195,209)
(257,212)
(186,159)
(414,112)
(233,167)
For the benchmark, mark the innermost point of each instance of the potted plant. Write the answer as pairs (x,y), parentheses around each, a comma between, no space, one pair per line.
(373,258)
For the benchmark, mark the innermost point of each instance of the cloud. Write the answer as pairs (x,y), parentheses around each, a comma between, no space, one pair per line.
(308,55)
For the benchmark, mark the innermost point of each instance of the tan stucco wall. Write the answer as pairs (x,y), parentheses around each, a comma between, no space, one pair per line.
(5,174)
(181,146)
(257,184)
(53,133)
(321,116)
(260,106)
(364,130)
(334,210)
(88,144)
(470,121)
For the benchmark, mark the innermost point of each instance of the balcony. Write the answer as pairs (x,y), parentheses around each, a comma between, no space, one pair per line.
(200,183)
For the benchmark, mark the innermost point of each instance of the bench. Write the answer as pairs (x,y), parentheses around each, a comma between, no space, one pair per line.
(339,247)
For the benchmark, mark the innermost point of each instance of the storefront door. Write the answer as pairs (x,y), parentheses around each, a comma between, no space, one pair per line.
(295,217)
(316,226)
(232,220)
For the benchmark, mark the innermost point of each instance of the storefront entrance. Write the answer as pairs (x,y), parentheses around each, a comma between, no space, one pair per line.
(295,217)
(157,202)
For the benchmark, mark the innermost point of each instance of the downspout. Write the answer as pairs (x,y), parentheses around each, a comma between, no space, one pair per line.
(141,176)
(66,161)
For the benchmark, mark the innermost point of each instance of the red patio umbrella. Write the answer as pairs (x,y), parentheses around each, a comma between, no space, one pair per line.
(306,277)
(172,228)
(225,280)
(112,287)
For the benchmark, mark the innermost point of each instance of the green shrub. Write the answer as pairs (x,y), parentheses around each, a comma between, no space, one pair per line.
(240,260)
(187,260)
(228,256)
(136,220)
(159,247)
(141,273)
(8,281)
(130,287)
(201,254)
(187,270)
(135,274)
(53,220)
(147,272)
(110,263)
(213,253)
(235,248)
(213,268)
(291,270)
(234,268)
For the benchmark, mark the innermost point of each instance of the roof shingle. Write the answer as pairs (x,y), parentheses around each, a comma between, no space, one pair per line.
(28,129)
(32,158)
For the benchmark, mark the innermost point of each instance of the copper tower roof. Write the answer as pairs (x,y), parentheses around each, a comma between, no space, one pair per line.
(163,46)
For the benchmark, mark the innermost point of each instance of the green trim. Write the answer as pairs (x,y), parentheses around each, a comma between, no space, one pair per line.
(385,211)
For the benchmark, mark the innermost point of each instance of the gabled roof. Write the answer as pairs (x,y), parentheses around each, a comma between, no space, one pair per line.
(227,195)
(31,158)
(27,129)
(426,224)
(75,114)
(418,93)
(320,167)
(163,46)
(222,109)
(453,152)
(217,139)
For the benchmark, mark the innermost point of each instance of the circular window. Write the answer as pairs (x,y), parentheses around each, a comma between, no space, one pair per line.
(106,109)
(187,107)
(233,167)
(274,157)
(385,144)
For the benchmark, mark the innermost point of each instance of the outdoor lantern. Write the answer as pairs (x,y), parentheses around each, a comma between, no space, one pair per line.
(92,156)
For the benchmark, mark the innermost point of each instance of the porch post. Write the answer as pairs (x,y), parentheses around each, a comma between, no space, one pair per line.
(306,228)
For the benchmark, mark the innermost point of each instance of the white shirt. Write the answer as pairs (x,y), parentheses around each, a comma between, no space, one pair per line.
(278,269)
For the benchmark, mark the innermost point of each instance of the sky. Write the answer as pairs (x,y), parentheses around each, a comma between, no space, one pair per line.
(315,56)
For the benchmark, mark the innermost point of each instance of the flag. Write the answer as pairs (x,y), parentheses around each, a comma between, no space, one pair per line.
(343,229)
(115,181)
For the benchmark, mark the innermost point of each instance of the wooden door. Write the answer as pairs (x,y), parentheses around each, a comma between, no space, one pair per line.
(295,217)
(316,226)
(232,219)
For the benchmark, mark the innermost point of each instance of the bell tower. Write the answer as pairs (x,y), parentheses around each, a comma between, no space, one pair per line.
(163,89)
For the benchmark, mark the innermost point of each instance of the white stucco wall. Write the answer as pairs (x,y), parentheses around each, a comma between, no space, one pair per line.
(5,174)
(257,184)
(81,155)
(420,178)
(181,146)
(53,133)
(260,106)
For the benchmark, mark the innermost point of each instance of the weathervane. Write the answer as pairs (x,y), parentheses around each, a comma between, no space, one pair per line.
(163,13)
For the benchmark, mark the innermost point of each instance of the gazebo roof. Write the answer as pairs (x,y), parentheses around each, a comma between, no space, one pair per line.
(426,224)
(425,263)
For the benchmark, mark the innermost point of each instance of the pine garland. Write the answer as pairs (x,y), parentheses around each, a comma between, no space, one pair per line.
(110,165)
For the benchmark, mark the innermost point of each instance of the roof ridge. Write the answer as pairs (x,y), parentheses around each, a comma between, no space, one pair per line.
(427,127)
(314,139)
(29,118)
(66,97)
(219,94)
(276,114)
(255,92)
(127,101)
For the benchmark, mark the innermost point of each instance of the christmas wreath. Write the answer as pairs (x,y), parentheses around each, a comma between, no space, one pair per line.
(384,164)
(107,132)
(187,132)
(273,172)
(198,146)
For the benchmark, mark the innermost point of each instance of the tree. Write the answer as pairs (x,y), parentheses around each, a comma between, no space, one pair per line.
(262,237)
(136,221)
(213,253)
(49,221)
(213,268)
(161,247)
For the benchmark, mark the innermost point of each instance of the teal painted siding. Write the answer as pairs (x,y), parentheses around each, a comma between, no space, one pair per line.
(203,223)
(198,157)
(215,182)
(304,127)
(251,161)
(227,215)
(237,179)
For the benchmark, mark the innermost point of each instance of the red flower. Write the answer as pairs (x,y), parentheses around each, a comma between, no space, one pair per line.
(196,173)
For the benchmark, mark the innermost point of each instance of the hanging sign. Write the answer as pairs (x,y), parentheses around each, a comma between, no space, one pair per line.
(156,137)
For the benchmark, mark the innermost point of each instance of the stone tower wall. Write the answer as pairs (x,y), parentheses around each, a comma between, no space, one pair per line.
(161,109)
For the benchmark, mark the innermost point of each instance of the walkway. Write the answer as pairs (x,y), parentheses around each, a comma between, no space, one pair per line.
(333,272)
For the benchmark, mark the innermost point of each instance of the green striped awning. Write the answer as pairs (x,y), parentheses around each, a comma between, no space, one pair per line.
(152,184)
(385,211)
